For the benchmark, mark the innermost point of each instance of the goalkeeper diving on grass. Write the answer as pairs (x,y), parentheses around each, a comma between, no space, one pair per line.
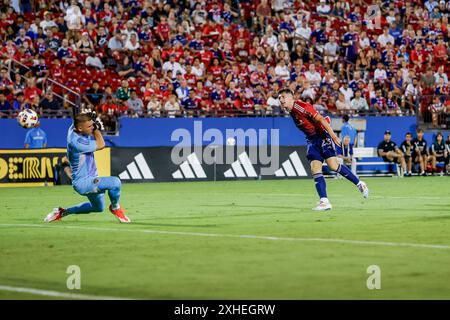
(85,179)
(321,142)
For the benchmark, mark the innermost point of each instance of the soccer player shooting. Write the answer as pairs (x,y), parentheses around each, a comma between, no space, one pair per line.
(85,179)
(321,141)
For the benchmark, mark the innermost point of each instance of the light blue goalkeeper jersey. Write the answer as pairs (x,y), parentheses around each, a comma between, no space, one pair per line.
(80,151)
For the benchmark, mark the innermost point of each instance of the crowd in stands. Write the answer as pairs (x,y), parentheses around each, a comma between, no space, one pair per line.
(197,58)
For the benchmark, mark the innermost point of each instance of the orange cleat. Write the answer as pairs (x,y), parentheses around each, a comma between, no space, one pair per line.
(119,214)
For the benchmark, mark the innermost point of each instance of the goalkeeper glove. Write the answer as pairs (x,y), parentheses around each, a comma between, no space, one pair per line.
(98,123)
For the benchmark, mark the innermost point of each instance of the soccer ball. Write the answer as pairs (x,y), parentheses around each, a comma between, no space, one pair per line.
(27,118)
(231,141)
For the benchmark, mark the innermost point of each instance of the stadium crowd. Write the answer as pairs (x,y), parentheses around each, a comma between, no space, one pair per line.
(226,58)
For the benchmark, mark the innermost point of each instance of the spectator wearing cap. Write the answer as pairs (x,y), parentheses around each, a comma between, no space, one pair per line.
(390,152)
(47,23)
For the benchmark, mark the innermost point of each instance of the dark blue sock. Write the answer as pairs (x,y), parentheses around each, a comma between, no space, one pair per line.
(346,173)
(321,186)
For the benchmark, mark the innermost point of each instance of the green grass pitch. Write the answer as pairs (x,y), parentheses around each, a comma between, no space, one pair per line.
(234,240)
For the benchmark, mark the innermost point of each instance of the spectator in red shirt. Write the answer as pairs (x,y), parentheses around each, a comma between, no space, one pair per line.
(31,90)
(216,69)
(163,30)
(440,51)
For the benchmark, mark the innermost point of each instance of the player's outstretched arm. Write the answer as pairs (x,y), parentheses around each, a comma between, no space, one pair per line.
(99,139)
(328,128)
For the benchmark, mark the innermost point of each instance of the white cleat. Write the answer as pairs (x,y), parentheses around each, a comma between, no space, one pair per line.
(323,205)
(362,187)
(55,215)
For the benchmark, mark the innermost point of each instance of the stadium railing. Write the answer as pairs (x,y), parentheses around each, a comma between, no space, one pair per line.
(68,96)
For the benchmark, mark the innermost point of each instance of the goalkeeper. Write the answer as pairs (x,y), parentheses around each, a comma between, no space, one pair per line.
(85,180)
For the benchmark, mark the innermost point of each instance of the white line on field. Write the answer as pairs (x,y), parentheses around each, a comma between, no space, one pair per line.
(57,294)
(222,235)
(371,197)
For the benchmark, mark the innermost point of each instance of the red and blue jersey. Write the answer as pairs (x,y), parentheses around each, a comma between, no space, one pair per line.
(303,115)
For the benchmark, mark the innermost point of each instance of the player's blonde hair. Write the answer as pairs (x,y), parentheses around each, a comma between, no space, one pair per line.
(81,118)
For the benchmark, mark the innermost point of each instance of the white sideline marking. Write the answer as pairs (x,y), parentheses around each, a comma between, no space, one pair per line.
(299,195)
(222,235)
(57,294)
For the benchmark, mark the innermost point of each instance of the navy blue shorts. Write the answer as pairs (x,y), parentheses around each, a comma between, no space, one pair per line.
(320,149)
